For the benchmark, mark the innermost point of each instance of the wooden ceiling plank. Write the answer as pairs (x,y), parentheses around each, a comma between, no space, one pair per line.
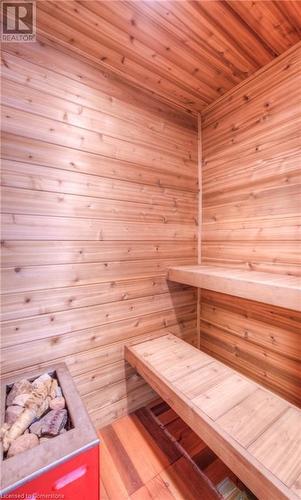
(267,23)
(288,31)
(140,27)
(204,58)
(217,34)
(244,16)
(186,53)
(292,11)
(199,46)
(233,30)
(108,57)
(199,32)
(131,47)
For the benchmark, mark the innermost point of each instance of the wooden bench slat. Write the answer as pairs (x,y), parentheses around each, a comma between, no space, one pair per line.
(248,420)
(275,289)
(255,432)
(279,447)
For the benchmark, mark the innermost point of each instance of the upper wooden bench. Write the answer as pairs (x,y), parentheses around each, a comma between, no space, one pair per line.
(275,289)
(256,433)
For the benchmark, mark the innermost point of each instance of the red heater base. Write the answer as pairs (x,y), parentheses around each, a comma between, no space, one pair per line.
(63,467)
(75,479)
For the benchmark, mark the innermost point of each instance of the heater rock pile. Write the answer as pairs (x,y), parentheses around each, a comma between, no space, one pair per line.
(35,411)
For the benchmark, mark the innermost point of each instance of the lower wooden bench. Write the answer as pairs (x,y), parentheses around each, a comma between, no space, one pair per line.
(255,432)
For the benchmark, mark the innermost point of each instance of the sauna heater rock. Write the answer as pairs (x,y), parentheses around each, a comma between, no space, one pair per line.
(63,467)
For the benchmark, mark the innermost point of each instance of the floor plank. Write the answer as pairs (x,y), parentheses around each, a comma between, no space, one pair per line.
(217,471)
(125,466)
(153,455)
(185,483)
(159,490)
(186,437)
(109,474)
(146,456)
(141,494)
(103,491)
(204,458)
(159,436)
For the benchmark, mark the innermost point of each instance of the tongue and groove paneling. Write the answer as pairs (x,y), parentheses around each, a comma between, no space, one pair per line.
(251,220)
(99,198)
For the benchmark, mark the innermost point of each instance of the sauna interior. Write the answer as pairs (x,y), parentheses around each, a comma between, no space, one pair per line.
(151,155)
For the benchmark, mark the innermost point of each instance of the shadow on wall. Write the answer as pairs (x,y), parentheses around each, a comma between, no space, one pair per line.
(185,327)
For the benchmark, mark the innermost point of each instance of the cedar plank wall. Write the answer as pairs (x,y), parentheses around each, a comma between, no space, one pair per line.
(99,198)
(251,220)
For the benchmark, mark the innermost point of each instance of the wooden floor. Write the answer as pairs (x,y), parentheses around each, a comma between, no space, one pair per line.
(153,454)
(251,429)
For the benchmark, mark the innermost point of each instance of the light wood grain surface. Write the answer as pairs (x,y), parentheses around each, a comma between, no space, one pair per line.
(99,184)
(164,459)
(251,221)
(255,432)
(188,53)
(271,288)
